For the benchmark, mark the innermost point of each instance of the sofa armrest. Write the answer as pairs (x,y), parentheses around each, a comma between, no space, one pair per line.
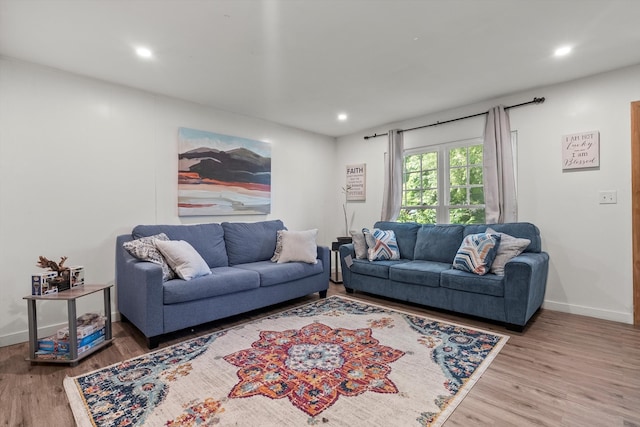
(139,291)
(346,250)
(525,285)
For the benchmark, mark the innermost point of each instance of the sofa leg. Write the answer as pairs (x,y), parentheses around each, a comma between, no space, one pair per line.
(323,294)
(153,342)
(349,290)
(515,328)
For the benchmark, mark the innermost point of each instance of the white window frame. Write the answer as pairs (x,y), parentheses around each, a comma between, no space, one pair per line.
(442,150)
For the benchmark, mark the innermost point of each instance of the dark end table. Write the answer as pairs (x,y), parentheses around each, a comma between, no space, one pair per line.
(335,276)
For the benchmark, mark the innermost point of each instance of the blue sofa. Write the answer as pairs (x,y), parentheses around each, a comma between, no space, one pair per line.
(424,274)
(242,278)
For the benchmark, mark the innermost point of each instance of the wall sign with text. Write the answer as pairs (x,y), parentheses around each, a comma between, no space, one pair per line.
(356,182)
(581,150)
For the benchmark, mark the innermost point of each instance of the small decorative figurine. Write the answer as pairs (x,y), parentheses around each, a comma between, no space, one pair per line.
(63,281)
(52,265)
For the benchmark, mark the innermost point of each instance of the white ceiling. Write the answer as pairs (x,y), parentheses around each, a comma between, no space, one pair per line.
(301,62)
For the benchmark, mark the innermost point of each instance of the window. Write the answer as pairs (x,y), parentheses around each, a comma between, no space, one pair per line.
(444,184)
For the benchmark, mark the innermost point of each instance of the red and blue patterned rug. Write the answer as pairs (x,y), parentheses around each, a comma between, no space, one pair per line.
(335,361)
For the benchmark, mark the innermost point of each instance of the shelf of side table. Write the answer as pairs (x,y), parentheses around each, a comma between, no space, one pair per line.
(70,295)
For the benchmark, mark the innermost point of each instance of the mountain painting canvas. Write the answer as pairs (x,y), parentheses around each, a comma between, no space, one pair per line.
(222,175)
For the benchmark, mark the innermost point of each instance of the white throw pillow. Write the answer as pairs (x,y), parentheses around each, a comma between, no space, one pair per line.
(299,246)
(183,258)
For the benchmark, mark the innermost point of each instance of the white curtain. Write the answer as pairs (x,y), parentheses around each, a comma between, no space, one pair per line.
(392,197)
(499,176)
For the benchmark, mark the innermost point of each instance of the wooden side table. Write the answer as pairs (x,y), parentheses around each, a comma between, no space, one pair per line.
(70,295)
(336,276)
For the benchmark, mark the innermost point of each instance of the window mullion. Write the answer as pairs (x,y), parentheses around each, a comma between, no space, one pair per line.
(443,193)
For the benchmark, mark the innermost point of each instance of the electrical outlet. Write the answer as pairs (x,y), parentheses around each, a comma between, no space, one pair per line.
(608,197)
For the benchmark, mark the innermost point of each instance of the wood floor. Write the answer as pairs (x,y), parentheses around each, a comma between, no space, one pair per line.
(563,370)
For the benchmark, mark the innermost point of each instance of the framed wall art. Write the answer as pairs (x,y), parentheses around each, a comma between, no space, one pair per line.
(356,182)
(222,174)
(581,151)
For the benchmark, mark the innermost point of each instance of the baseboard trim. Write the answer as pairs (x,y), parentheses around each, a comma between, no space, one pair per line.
(598,313)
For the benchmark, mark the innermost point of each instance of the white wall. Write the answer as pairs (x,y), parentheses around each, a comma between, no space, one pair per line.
(589,244)
(82,161)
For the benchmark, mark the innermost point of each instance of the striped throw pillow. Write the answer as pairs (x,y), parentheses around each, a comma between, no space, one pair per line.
(476,253)
(385,246)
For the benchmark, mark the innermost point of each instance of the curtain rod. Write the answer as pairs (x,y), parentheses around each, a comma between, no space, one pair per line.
(535,101)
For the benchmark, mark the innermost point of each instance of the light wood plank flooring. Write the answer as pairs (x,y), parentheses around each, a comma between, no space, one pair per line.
(563,370)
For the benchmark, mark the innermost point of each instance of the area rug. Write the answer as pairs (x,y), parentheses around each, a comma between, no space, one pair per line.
(337,361)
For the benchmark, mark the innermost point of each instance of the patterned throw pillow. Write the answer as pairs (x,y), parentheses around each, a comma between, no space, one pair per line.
(145,249)
(509,247)
(278,251)
(476,253)
(385,246)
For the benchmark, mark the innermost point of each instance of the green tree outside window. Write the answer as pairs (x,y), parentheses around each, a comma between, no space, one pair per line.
(464,192)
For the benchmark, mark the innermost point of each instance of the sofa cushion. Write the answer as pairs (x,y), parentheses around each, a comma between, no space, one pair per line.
(405,235)
(183,259)
(382,244)
(207,239)
(476,253)
(274,274)
(438,242)
(489,284)
(521,230)
(426,273)
(251,241)
(144,248)
(221,281)
(375,269)
(298,246)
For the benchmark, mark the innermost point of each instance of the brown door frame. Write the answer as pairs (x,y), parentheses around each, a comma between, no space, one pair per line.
(635,207)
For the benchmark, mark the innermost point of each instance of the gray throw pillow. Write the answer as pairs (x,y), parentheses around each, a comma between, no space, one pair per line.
(299,246)
(183,258)
(510,247)
(359,244)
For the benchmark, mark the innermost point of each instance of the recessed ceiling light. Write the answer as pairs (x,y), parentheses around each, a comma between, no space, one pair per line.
(144,52)
(342,117)
(562,51)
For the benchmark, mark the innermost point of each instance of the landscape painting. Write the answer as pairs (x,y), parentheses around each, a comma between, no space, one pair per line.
(222,175)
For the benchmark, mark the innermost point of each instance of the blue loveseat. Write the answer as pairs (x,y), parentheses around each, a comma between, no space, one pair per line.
(242,278)
(424,274)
